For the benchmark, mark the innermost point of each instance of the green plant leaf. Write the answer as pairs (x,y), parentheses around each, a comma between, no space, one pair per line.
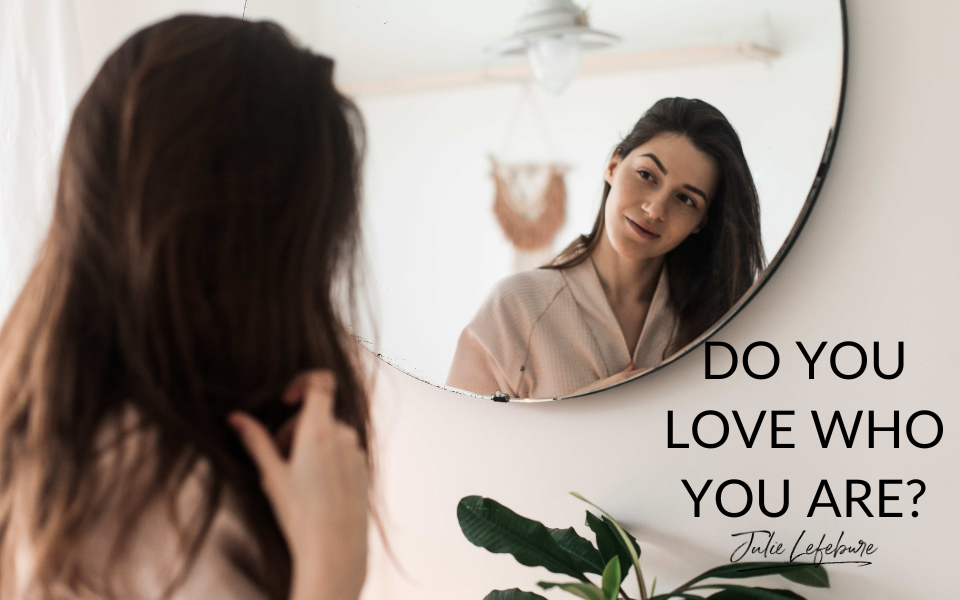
(676,595)
(490,525)
(629,542)
(512,594)
(588,557)
(813,576)
(611,579)
(803,573)
(586,590)
(740,592)
(611,544)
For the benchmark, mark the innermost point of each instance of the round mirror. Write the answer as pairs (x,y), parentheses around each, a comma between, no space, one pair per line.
(558,200)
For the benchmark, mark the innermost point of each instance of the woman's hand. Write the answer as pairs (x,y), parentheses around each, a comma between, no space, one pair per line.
(623,375)
(318,494)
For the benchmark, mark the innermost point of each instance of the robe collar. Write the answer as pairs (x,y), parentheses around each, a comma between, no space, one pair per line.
(658,327)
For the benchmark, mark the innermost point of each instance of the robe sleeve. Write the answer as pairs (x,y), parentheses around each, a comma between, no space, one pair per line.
(494,347)
(475,369)
(226,564)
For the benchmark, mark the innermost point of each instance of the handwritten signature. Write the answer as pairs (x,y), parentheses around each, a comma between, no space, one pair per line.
(764,543)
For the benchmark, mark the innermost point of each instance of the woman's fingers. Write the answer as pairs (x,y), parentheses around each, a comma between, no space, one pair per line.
(317,420)
(258,443)
(349,440)
(318,490)
(284,436)
(319,381)
(314,437)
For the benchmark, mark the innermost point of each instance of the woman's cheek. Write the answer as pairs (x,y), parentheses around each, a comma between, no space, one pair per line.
(684,231)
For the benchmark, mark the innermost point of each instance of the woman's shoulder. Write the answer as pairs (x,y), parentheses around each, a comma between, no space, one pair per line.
(226,561)
(493,346)
(511,311)
(141,555)
(528,293)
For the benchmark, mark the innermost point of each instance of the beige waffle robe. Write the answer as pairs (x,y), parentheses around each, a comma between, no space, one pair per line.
(550,332)
(228,566)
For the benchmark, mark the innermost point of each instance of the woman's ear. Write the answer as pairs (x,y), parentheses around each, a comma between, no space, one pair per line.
(612,166)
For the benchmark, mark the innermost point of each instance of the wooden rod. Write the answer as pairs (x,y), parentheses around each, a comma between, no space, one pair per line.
(589,65)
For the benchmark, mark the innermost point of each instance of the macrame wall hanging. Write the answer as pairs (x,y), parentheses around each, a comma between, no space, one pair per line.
(530,197)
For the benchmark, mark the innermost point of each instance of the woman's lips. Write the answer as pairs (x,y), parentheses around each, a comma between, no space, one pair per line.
(642,231)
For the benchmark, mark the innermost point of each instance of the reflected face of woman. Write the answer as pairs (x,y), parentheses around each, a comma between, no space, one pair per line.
(659,195)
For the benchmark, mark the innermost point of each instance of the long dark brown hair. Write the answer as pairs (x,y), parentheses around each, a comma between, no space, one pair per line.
(206,224)
(711,270)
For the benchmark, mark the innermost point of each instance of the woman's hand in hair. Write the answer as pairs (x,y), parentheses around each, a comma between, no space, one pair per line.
(318,493)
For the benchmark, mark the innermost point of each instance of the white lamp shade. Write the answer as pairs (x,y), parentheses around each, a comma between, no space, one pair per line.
(554,62)
(552,33)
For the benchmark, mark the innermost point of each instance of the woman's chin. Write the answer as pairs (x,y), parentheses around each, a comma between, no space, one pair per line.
(627,246)
(637,252)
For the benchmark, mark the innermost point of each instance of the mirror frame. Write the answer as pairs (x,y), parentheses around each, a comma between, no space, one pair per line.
(791,238)
(764,277)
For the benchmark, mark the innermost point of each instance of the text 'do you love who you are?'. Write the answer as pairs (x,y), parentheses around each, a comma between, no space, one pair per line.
(781,429)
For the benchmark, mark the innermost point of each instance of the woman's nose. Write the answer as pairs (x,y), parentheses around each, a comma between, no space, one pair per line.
(656,207)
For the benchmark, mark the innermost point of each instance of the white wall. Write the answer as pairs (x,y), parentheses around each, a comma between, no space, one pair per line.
(875,262)
(49,52)
(41,75)
(435,246)
(104,24)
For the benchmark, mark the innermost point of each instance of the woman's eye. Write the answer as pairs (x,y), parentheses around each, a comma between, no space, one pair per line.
(645,174)
(687,200)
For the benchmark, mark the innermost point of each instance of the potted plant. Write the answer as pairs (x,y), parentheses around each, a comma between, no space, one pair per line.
(490,525)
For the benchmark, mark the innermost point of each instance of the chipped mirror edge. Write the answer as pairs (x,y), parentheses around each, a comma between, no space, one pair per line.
(791,238)
(812,196)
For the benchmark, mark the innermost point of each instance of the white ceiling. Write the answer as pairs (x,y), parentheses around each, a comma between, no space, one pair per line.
(382,39)
(104,24)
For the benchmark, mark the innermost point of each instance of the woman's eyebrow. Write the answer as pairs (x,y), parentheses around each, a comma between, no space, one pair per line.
(686,185)
(656,160)
(695,191)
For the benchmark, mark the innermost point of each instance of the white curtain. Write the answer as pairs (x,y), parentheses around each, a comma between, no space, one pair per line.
(41,74)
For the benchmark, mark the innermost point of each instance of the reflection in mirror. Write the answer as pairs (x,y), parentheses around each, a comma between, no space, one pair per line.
(675,244)
(539,245)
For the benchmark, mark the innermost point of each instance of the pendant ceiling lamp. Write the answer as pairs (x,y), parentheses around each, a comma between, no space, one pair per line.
(552,33)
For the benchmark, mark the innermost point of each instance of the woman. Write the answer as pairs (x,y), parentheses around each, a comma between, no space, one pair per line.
(676,243)
(207,207)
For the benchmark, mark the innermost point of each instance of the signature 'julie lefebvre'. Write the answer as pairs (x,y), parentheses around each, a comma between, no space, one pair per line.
(764,543)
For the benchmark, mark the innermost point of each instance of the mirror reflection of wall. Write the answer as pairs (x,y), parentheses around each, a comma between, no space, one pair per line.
(435,246)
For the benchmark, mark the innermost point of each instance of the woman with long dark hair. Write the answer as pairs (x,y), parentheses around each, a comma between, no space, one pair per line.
(189,290)
(675,244)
